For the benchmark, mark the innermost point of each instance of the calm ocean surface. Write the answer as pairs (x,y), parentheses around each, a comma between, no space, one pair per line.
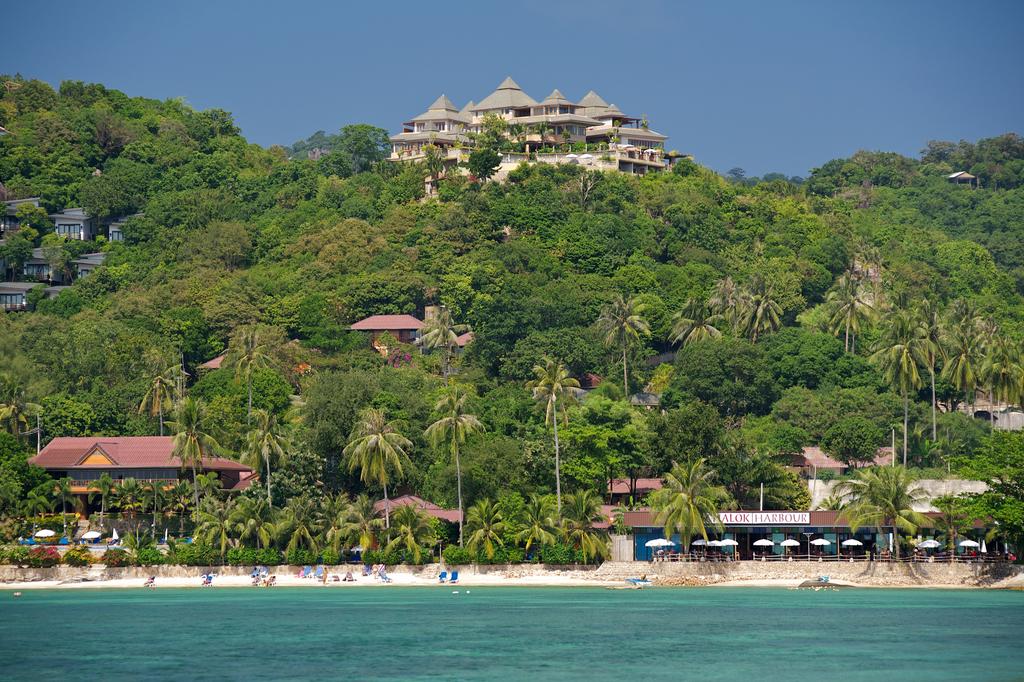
(512,633)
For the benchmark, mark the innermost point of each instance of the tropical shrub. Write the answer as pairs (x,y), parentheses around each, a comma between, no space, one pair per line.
(559,554)
(330,557)
(149,556)
(300,557)
(457,556)
(251,556)
(16,555)
(116,558)
(43,557)
(79,555)
(54,522)
(193,554)
(378,556)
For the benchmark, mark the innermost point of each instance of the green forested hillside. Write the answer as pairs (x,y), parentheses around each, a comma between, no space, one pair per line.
(787,304)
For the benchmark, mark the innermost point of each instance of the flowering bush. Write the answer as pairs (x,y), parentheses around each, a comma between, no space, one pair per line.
(78,555)
(116,558)
(43,557)
(16,555)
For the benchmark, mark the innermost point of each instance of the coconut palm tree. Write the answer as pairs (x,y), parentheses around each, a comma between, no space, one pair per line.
(899,354)
(689,502)
(39,500)
(963,350)
(553,386)
(297,528)
(539,524)
(362,521)
(334,521)
(882,497)
(216,524)
(246,354)
(105,487)
(486,527)
(180,496)
(695,322)
(441,333)
(162,391)
(452,427)
(1002,372)
(155,496)
(621,323)
(412,531)
(16,410)
(725,300)
(932,332)
(376,449)
(129,499)
(192,443)
(759,312)
(266,444)
(851,308)
(62,493)
(254,520)
(582,511)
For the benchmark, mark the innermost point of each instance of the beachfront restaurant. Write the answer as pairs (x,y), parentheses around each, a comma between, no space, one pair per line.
(747,528)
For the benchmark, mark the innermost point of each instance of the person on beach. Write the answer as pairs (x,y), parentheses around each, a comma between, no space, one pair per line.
(349,577)
(150,582)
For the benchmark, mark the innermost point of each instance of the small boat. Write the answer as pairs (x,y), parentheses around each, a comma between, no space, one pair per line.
(638,583)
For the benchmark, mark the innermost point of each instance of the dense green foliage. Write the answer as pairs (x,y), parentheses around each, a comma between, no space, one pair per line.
(779,298)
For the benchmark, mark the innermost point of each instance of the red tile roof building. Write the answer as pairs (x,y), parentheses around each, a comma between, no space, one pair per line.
(814,459)
(451,515)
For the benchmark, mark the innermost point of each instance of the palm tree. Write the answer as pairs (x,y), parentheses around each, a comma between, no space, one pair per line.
(851,307)
(882,497)
(39,500)
(161,393)
(254,520)
(485,527)
(900,350)
(266,444)
(63,494)
(622,325)
(16,409)
(412,531)
(180,496)
(582,511)
(932,331)
(952,520)
(539,525)
(695,322)
(452,427)
(247,353)
(689,502)
(298,524)
(155,497)
(216,524)
(1003,373)
(440,332)
(725,300)
(553,386)
(192,443)
(334,517)
(363,521)
(377,448)
(129,498)
(105,487)
(963,348)
(759,311)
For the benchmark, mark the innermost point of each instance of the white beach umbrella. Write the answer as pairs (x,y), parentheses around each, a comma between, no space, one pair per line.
(700,542)
(929,544)
(91,535)
(763,543)
(728,543)
(659,542)
(984,549)
(572,156)
(790,543)
(45,533)
(714,543)
(586,156)
(963,543)
(852,543)
(114,536)
(820,542)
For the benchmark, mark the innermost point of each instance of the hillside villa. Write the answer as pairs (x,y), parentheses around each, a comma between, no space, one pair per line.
(144,458)
(588,132)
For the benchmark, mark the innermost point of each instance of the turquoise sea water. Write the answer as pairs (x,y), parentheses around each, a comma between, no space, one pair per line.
(489,633)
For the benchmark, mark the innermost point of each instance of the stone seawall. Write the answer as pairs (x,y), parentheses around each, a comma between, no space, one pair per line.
(881,574)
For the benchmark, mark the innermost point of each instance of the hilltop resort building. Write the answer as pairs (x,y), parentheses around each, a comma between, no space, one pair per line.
(589,132)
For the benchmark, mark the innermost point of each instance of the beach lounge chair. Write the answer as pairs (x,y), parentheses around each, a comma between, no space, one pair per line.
(455,578)
(443,578)
(319,572)
(366,570)
(307,571)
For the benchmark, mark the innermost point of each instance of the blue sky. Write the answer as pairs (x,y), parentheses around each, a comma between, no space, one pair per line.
(768,86)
